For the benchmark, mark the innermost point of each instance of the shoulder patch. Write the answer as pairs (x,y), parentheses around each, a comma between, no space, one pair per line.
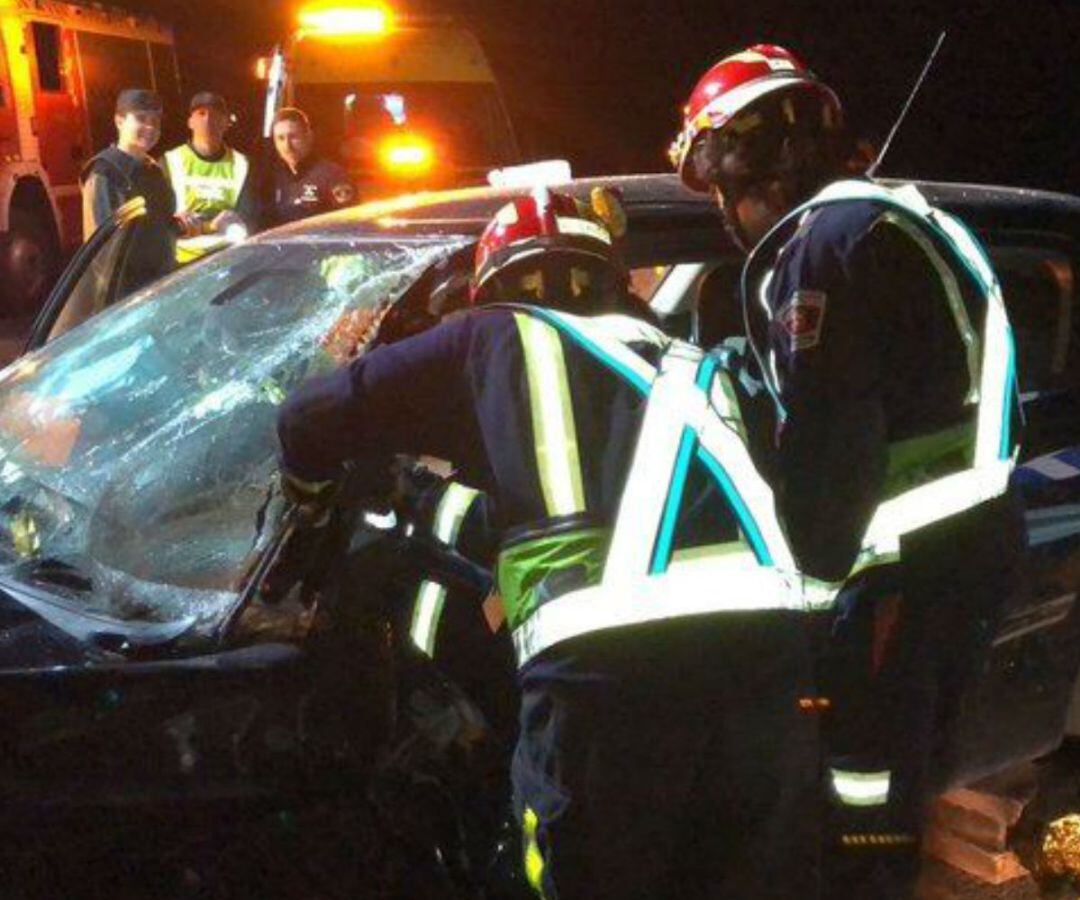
(801,319)
(343,193)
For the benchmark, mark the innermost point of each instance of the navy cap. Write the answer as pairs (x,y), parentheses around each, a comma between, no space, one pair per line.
(208,100)
(137,100)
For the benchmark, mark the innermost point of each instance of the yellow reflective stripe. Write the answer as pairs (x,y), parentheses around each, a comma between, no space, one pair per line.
(554,431)
(427,609)
(861,788)
(955,299)
(534,858)
(690,554)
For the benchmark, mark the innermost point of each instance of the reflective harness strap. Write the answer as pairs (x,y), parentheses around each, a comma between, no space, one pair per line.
(427,609)
(995,367)
(721,583)
(650,500)
(690,411)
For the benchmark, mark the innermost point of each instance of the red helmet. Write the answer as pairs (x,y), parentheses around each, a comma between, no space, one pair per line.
(735,83)
(548,228)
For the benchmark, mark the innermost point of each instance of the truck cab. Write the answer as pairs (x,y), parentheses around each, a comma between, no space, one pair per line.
(61,67)
(404,102)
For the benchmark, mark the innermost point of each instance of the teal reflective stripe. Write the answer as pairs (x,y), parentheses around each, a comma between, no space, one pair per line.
(746,520)
(1006,449)
(427,609)
(554,430)
(666,536)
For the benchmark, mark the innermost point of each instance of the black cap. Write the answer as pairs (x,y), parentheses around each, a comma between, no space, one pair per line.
(209,100)
(137,100)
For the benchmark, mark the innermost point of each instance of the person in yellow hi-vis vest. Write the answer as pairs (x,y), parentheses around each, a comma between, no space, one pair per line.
(216,199)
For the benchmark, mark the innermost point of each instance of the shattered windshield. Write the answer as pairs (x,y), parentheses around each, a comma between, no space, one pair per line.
(135,451)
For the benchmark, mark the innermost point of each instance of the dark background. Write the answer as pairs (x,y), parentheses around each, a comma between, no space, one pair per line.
(600,82)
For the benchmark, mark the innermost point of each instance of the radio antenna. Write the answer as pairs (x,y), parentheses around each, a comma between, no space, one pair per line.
(872,171)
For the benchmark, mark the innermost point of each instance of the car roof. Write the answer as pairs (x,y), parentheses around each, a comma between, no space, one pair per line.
(661,199)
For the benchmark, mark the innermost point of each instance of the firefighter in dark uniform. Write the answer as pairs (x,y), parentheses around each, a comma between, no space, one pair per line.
(124,171)
(303,184)
(878,326)
(662,751)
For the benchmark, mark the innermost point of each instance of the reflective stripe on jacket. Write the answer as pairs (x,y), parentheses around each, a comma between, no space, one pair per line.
(945,472)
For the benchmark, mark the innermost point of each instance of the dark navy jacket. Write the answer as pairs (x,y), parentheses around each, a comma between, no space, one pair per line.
(865,352)
(459,392)
(317,186)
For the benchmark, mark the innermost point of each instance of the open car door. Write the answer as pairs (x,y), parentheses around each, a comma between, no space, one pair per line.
(99,275)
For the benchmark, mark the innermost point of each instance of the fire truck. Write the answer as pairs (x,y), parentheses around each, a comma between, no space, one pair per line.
(61,66)
(406,102)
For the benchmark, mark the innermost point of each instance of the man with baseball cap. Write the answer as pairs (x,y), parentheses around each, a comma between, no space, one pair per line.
(125,170)
(214,189)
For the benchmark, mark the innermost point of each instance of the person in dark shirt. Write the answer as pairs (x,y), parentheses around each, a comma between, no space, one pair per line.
(302,183)
(125,170)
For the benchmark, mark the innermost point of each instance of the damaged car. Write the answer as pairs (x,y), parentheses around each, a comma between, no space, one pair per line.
(147,695)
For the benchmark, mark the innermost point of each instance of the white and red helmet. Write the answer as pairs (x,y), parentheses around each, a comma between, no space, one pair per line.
(736,83)
(543,227)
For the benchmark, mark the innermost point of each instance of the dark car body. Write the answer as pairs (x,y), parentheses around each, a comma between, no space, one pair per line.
(177,443)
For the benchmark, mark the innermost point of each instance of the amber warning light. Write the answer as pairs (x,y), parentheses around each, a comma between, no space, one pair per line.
(345,21)
(407,155)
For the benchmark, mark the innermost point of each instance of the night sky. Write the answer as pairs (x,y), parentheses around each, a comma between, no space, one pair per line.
(600,81)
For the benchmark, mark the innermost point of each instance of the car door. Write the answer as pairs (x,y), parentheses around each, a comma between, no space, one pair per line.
(1014,707)
(94,279)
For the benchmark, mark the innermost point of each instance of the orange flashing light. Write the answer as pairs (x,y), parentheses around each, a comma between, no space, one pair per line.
(345,21)
(262,68)
(407,155)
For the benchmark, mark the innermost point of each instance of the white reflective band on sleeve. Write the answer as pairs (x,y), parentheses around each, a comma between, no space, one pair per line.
(449,517)
(861,788)
(674,404)
(554,431)
(722,583)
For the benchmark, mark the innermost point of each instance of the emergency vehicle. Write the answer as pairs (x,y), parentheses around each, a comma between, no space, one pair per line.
(405,102)
(61,67)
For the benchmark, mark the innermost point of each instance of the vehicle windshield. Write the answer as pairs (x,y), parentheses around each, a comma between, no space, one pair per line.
(136,450)
(465,121)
